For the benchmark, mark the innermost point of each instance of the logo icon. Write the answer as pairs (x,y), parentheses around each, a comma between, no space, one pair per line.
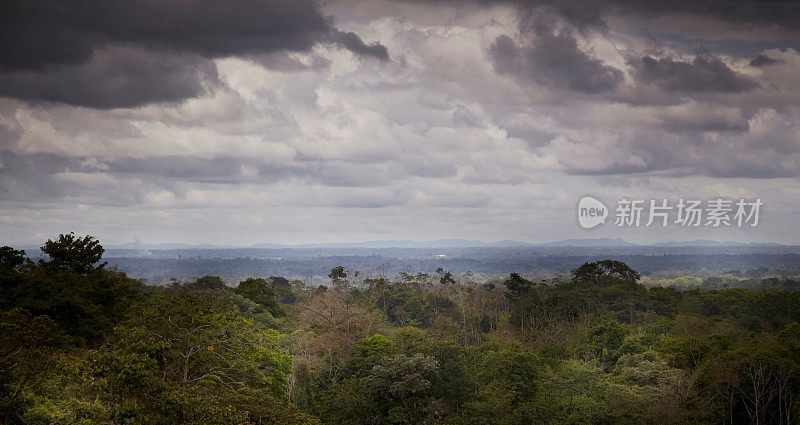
(591,212)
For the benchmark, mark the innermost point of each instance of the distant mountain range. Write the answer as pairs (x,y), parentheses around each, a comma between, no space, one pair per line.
(445,243)
(441,243)
(591,242)
(706,242)
(138,245)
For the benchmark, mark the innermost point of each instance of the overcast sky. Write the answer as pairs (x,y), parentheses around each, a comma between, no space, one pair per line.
(294,121)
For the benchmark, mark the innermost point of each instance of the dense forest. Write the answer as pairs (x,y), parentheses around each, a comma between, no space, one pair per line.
(80,342)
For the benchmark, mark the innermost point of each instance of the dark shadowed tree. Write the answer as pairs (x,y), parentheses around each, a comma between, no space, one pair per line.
(207,282)
(11,258)
(603,271)
(338,275)
(523,296)
(77,255)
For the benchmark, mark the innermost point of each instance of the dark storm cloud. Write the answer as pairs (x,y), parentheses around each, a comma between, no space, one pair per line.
(554,59)
(55,179)
(39,33)
(593,13)
(115,77)
(582,13)
(25,177)
(704,74)
(764,60)
(285,62)
(45,44)
(51,176)
(784,13)
(711,124)
(353,43)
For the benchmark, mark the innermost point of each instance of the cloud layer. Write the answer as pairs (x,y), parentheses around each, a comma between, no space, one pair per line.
(296,121)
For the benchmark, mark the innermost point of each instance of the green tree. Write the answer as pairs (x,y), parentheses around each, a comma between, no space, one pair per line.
(402,387)
(187,358)
(507,378)
(523,296)
(447,279)
(73,254)
(207,282)
(84,299)
(338,275)
(605,271)
(261,292)
(27,346)
(11,258)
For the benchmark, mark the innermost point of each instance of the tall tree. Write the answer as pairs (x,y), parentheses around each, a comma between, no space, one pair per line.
(74,254)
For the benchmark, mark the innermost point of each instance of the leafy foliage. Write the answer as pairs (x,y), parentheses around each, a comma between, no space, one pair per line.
(74,254)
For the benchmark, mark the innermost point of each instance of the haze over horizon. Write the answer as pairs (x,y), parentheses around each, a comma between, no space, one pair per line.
(433,244)
(340,121)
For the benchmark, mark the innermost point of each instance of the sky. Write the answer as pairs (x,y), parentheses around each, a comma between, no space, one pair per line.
(300,121)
